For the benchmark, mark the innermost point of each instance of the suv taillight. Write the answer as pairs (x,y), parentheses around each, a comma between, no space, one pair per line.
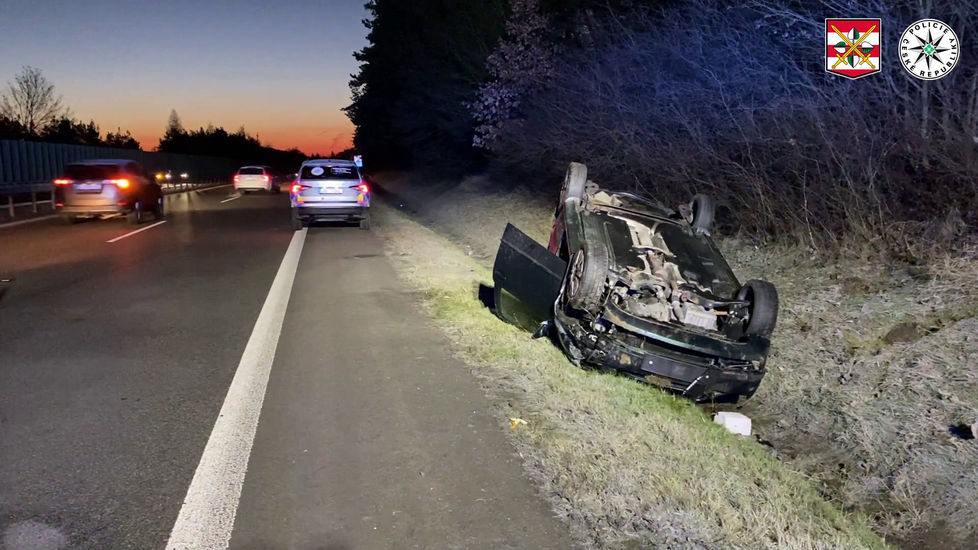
(62,182)
(264,178)
(363,188)
(237,178)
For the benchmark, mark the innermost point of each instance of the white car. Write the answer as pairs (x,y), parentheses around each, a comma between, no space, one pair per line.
(255,178)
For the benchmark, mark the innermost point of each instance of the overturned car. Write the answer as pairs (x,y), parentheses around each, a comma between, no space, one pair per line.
(632,286)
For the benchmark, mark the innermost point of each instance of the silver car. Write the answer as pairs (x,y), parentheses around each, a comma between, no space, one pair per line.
(329,190)
(105,187)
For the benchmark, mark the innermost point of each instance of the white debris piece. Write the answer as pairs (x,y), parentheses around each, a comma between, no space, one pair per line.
(733,421)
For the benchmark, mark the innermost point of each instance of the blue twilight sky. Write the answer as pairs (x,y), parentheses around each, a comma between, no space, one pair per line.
(280,68)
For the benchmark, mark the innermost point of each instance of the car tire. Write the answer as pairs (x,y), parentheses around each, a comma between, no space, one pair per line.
(702,209)
(158,210)
(296,223)
(365,223)
(69,219)
(763,299)
(136,216)
(587,275)
(575,181)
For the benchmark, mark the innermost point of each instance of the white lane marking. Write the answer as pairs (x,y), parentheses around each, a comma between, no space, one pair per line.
(206,519)
(32,220)
(231,199)
(140,230)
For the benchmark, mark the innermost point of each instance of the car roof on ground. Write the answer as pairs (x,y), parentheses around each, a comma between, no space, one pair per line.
(91,162)
(327,162)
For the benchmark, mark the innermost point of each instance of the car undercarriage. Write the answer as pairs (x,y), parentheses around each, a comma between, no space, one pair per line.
(628,285)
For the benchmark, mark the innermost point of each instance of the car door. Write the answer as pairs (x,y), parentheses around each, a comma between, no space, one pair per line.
(528,272)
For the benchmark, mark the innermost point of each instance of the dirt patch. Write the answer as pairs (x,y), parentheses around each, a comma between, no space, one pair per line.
(627,466)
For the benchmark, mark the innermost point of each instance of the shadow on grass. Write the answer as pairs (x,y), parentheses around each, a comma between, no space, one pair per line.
(486,295)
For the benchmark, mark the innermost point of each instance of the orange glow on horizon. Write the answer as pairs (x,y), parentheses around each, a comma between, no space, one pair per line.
(309,140)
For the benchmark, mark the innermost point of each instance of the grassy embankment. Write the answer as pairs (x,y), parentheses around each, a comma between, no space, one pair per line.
(627,465)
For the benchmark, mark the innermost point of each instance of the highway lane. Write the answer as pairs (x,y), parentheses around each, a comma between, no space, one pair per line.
(117,359)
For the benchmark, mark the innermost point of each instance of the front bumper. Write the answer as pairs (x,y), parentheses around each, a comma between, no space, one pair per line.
(327,213)
(697,376)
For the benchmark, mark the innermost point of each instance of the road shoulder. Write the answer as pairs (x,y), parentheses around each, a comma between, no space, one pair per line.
(372,434)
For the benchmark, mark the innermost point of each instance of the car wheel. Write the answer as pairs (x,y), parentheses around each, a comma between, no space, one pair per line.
(575,181)
(365,223)
(69,219)
(763,308)
(588,273)
(702,209)
(296,223)
(136,216)
(158,211)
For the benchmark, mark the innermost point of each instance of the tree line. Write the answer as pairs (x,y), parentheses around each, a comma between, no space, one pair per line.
(32,110)
(218,142)
(670,98)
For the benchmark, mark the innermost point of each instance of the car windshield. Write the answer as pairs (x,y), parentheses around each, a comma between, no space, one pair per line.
(251,171)
(317,172)
(92,171)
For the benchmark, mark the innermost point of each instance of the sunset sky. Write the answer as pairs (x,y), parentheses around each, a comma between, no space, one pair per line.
(281,69)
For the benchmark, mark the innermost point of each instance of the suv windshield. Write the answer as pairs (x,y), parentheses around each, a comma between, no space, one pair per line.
(92,171)
(317,172)
(251,171)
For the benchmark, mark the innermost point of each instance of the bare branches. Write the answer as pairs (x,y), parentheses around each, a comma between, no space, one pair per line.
(30,100)
(746,112)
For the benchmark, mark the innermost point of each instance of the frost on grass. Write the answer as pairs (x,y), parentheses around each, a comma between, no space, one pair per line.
(620,461)
(872,365)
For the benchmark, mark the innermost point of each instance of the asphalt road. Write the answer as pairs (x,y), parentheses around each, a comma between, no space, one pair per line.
(220,381)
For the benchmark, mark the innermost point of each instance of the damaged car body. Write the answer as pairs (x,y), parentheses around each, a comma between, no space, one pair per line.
(629,285)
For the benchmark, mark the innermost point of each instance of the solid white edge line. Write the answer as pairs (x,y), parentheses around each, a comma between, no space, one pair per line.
(140,230)
(206,519)
(231,199)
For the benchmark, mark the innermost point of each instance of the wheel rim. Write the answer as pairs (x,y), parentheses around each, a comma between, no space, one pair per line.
(577,271)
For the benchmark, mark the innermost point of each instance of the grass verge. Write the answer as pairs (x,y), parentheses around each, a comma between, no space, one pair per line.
(872,368)
(627,466)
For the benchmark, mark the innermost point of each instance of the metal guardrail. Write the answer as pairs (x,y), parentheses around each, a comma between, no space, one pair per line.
(41,193)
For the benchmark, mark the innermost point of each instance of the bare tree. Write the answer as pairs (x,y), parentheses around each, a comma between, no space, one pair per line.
(30,100)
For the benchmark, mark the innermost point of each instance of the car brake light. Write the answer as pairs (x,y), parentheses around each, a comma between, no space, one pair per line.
(296,189)
(363,188)
(122,184)
(237,178)
(264,178)
(62,182)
